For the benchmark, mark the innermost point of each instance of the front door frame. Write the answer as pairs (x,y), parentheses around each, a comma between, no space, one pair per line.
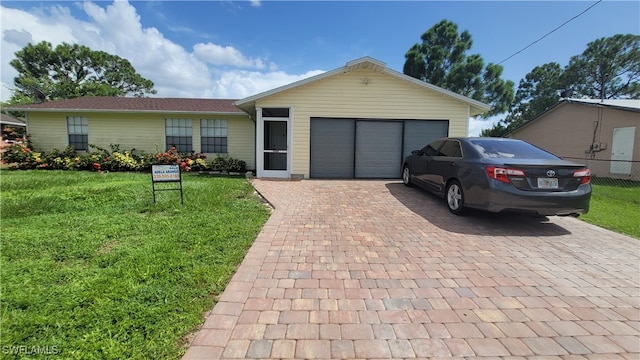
(261,172)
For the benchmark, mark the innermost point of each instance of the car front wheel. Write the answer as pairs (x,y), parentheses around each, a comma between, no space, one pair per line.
(455,197)
(406,176)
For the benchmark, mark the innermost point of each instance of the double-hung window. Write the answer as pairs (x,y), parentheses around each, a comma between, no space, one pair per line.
(179,133)
(78,131)
(213,134)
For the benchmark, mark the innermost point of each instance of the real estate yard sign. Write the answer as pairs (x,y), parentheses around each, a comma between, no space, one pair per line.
(166,174)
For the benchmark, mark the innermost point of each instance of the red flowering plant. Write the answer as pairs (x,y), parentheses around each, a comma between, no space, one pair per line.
(187,162)
(14,134)
(168,157)
(197,162)
(21,156)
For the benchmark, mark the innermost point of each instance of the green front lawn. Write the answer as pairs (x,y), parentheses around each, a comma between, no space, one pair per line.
(91,268)
(615,205)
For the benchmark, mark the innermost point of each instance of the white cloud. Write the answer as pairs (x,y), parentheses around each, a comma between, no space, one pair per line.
(211,70)
(225,55)
(255,3)
(21,27)
(240,83)
(477,125)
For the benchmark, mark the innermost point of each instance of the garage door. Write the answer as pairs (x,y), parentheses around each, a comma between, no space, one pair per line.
(378,149)
(417,133)
(350,148)
(332,144)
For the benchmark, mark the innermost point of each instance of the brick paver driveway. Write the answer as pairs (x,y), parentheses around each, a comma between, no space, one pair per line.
(371,269)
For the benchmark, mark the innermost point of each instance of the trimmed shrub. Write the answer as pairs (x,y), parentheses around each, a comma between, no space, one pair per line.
(226,163)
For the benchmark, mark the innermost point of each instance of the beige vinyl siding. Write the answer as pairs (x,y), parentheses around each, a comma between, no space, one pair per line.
(241,141)
(143,132)
(241,138)
(345,96)
(48,131)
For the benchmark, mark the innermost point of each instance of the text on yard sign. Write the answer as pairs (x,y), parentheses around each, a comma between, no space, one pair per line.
(165,173)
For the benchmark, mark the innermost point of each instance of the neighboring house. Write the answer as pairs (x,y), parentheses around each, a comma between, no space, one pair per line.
(357,121)
(605,135)
(13,123)
(10,121)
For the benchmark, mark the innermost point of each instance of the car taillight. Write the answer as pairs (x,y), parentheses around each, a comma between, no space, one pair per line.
(503,174)
(585,174)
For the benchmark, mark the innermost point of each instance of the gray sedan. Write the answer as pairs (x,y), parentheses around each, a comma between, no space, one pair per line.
(497,174)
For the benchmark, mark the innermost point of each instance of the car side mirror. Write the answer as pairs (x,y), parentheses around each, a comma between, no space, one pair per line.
(417,152)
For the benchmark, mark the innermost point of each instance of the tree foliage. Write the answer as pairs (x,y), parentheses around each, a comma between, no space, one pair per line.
(70,71)
(441,59)
(609,68)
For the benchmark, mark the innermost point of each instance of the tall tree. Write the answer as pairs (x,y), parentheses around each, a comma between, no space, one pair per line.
(609,68)
(70,71)
(441,60)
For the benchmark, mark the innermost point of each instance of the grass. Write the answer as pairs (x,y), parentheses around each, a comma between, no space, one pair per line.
(91,269)
(615,206)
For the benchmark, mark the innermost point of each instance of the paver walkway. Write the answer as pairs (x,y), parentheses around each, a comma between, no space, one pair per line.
(375,270)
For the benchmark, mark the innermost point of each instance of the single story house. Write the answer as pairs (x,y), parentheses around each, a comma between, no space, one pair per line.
(357,121)
(603,134)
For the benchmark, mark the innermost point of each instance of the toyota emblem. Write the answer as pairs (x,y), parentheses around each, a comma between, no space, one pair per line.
(551,173)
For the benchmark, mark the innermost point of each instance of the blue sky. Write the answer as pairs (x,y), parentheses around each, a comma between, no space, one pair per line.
(234,49)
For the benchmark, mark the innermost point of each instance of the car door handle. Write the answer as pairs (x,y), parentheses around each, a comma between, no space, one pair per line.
(452,164)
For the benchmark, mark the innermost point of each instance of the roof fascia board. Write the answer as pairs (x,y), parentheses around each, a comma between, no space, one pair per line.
(601,104)
(125,111)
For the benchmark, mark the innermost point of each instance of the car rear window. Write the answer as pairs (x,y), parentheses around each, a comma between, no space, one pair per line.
(509,149)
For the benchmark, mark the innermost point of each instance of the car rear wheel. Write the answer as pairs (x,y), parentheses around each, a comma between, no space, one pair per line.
(455,197)
(406,176)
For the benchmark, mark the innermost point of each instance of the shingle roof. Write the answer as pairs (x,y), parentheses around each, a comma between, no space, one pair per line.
(10,120)
(129,104)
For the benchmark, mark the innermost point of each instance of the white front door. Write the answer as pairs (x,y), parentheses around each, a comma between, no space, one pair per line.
(275,147)
(273,150)
(622,150)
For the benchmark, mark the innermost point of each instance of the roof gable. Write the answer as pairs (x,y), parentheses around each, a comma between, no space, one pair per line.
(366,62)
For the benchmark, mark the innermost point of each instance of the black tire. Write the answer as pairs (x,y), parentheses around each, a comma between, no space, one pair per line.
(406,176)
(454,195)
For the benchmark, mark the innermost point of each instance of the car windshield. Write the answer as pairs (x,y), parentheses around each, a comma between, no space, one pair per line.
(509,149)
